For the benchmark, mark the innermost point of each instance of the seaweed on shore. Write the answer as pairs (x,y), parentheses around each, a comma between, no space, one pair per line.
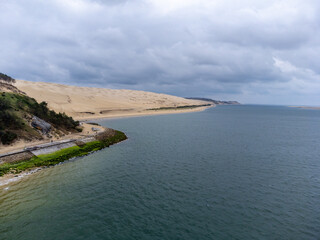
(62,155)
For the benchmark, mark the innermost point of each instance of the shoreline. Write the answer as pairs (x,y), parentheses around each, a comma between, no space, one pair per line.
(144,113)
(11,178)
(22,144)
(14,171)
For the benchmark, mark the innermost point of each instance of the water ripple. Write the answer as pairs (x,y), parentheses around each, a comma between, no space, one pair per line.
(227,173)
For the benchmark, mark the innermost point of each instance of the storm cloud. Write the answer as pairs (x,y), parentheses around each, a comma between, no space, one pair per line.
(246,50)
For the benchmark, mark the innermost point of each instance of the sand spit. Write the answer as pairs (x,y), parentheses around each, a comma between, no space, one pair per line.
(85,103)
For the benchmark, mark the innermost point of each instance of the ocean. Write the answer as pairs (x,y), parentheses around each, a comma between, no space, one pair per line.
(230,172)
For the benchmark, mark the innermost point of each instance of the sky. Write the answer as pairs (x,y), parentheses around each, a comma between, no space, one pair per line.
(263,52)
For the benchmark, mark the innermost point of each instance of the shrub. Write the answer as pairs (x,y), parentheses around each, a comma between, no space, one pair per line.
(9,120)
(7,137)
(4,104)
(6,78)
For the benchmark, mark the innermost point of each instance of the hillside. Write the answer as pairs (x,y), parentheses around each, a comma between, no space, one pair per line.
(87,102)
(17,113)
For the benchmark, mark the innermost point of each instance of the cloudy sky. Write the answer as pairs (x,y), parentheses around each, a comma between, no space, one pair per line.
(264,51)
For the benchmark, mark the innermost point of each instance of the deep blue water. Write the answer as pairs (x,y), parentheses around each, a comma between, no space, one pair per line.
(230,172)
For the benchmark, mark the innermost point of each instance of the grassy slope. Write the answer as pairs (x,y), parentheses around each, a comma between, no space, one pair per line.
(62,155)
(16,111)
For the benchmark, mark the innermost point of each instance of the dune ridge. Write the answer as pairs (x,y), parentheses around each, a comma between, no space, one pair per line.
(83,103)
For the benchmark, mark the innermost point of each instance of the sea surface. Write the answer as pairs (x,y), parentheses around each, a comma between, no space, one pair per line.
(230,172)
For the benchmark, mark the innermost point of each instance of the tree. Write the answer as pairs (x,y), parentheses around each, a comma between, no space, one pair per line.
(7,79)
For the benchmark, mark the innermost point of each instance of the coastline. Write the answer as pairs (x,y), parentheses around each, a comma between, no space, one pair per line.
(14,171)
(22,144)
(10,178)
(143,113)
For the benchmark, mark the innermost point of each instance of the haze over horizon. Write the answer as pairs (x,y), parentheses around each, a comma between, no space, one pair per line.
(263,52)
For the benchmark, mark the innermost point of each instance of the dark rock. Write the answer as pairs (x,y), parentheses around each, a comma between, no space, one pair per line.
(41,125)
(80,143)
(95,129)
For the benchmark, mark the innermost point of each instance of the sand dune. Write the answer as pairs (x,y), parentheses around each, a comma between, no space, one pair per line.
(90,103)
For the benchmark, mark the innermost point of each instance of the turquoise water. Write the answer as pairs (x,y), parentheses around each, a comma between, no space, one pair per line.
(231,172)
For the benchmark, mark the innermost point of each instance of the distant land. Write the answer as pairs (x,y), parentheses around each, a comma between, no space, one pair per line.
(307,107)
(217,102)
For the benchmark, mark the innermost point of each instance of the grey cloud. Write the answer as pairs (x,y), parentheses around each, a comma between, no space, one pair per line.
(226,50)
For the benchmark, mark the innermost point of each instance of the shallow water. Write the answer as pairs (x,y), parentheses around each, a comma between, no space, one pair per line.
(231,172)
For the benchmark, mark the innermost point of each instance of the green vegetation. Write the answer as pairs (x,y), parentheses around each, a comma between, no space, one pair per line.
(58,120)
(62,155)
(6,78)
(180,107)
(16,111)
(7,137)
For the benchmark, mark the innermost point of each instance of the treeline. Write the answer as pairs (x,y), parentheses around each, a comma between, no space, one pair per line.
(7,79)
(58,120)
(41,110)
(8,122)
